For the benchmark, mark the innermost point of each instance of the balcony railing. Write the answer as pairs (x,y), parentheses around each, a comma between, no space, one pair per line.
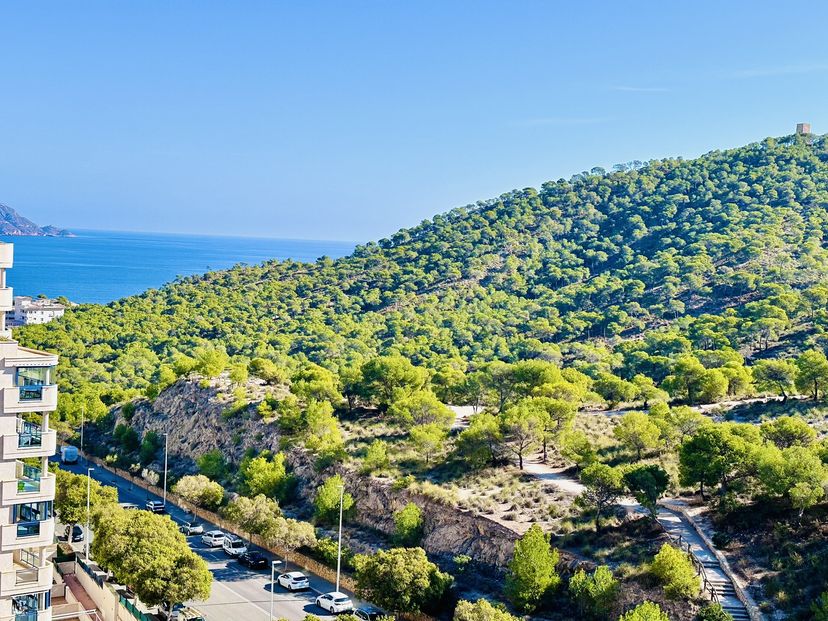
(27,576)
(32,392)
(29,435)
(29,398)
(26,534)
(28,529)
(28,478)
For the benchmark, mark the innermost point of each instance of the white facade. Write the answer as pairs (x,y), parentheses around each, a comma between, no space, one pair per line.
(28,310)
(27,489)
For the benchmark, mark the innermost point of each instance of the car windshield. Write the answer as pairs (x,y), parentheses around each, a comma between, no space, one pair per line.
(237,544)
(340,600)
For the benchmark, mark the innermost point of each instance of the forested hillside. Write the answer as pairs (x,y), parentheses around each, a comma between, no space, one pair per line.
(724,252)
(656,287)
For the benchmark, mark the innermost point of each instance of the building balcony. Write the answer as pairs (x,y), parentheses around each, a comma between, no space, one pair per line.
(29,441)
(25,579)
(6,255)
(27,535)
(31,485)
(31,398)
(6,298)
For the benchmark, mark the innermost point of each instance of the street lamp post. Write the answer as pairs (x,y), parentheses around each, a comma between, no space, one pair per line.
(166,438)
(88,513)
(83,416)
(272,585)
(339,538)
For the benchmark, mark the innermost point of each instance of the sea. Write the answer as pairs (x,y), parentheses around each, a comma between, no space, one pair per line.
(102,266)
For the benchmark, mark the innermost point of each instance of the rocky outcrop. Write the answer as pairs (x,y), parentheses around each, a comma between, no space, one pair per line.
(193,413)
(12,223)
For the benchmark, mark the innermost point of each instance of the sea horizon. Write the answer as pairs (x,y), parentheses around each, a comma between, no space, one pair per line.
(100,266)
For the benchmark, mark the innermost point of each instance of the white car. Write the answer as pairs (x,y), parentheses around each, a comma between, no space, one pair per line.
(213,538)
(335,602)
(293,581)
(191,528)
(128,506)
(233,546)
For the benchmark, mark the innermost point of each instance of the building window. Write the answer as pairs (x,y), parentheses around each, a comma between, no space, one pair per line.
(32,512)
(26,606)
(33,376)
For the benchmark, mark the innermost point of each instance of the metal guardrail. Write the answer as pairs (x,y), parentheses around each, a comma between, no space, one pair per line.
(752,609)
(92,614)
(701,571)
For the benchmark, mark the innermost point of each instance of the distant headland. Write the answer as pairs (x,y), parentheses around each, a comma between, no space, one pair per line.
(12,223)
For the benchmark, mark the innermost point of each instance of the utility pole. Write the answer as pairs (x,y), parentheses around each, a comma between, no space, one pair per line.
(166,438)
(88,512)
(339,539)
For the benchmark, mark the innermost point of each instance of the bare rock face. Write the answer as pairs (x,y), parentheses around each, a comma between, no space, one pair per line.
(447,530)
(192,413)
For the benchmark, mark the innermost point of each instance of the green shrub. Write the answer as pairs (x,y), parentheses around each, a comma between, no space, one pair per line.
(408,525)
(648,611)
(713,612)
(326,551)
(820,607)
(326,502)
(532,571)
(594,593)
(675,571)
(481,610)
(376,457)
(461,563)
(212,464)
(401,579)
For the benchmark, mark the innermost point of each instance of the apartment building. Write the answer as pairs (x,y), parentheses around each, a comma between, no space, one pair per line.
(29,310)
(27,490)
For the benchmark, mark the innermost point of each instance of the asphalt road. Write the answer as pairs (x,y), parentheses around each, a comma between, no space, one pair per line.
(238,593)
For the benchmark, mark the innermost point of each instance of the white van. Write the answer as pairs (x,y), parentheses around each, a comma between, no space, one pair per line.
(69,454)
(233,546)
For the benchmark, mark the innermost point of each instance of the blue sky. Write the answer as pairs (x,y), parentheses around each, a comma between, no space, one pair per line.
(349,120)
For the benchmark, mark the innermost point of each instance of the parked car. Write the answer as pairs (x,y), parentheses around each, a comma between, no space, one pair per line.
(77,533)
(180,613)
(156,506)
(191,528)
(213,538)
(253,560)
(335,602)
(233,546)
(369,613)
(189,614)
(128,506)
(293,581)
